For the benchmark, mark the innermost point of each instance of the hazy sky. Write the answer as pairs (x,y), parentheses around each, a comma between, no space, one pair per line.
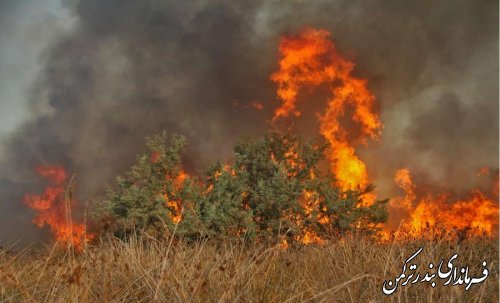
(26,28)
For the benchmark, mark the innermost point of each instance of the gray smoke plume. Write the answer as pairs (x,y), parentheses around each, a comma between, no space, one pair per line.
(129,69)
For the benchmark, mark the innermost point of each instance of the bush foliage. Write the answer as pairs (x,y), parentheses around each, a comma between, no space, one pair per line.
(274,189)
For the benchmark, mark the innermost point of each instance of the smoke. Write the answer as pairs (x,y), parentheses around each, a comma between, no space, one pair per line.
(129,69)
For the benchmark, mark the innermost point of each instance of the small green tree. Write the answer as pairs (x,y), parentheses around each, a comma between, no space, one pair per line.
(156,192)
(274,187)
(221,207)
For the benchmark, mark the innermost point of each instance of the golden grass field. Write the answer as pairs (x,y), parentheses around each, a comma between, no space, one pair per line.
(351,270)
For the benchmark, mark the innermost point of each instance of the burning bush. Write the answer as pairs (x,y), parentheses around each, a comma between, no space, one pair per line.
(155,192)
(274,189)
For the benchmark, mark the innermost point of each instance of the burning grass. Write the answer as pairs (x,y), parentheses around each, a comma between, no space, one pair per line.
(148,270)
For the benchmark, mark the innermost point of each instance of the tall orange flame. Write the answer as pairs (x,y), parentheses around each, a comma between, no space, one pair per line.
(54,208)
(311,59)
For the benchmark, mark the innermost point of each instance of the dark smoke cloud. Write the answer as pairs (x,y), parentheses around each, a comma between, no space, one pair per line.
(129,69)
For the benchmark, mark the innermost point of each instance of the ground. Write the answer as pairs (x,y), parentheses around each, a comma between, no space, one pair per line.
(149,270)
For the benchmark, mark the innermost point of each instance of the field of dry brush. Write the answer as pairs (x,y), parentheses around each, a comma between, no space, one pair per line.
(351,270)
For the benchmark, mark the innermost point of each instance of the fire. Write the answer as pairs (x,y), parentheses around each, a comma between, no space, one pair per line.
(256,105)
(404,181)
(311,237)
(483,171)
(311,59)
(173,204)
(308,60)
(477,214)
(53,208)
(310,202)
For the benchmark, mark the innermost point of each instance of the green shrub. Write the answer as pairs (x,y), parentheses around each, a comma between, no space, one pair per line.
(273,188)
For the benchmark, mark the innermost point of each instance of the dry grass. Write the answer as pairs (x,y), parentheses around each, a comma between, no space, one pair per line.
(160,271)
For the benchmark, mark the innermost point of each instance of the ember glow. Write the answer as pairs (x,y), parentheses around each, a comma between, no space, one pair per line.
(53,208)
(311,59)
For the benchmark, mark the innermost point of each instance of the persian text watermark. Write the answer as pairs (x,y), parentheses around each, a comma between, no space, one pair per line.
(450,273)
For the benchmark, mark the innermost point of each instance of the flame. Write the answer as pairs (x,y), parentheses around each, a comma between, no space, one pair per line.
(54,209)
(292,159)
(310,237)
(256,105)
(310,202)
(308,60)
(311,59)
(483,171)
(477,214)
(404,181)
(175,205)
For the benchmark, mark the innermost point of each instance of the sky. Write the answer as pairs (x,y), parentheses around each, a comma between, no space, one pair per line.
(26,29)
